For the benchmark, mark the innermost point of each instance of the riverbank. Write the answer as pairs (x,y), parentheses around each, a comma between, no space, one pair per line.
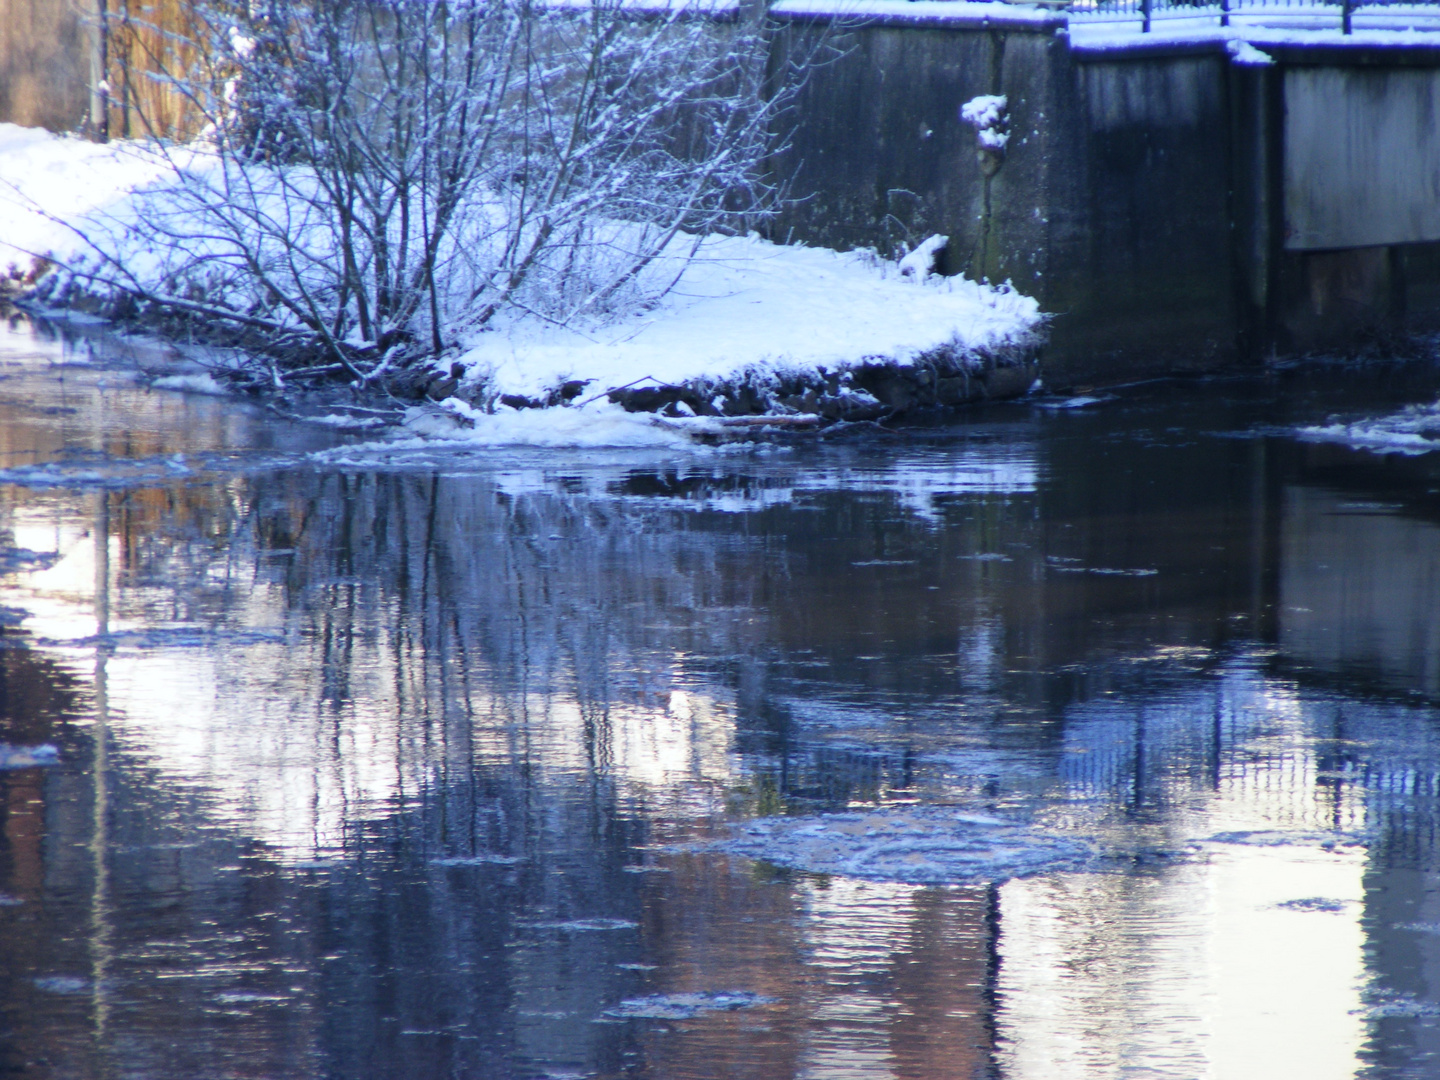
(745,329)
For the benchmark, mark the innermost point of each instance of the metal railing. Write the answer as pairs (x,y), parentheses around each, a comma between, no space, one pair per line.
(1317,13)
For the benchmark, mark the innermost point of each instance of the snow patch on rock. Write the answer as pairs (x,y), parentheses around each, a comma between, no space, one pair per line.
(987,114)
(920,263)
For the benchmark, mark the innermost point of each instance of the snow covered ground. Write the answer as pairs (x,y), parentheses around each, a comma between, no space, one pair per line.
(743,303)
(741,308)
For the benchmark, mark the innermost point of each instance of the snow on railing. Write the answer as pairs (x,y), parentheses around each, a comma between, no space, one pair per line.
(1296,14)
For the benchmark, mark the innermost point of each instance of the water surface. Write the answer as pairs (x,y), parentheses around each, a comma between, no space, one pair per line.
(417,768)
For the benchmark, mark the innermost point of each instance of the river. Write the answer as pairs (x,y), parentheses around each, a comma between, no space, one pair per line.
(345,764)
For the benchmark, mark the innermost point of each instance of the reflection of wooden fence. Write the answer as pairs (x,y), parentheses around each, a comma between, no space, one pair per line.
(145,43)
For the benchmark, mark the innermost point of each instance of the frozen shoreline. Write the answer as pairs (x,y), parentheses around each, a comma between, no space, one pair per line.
(750,327)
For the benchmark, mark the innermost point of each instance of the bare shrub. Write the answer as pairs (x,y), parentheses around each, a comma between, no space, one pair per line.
(376,176)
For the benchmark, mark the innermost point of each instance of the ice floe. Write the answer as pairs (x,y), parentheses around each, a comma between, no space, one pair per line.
(1412,430)
(914,845)
(1285,838)
(685,1006)
(26,757)
(485,858)
(586,924)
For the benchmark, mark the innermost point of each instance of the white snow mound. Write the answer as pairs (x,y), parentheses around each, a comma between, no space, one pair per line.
(743,304)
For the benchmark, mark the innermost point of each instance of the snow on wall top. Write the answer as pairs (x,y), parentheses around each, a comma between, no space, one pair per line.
(928,12)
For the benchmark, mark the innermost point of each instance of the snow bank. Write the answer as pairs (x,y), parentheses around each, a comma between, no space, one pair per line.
(49,183)
(742,312)
(746,305)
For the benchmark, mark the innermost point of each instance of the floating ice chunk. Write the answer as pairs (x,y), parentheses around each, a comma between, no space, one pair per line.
(203,383)
(1412,430)
(685,1006)
(916,845)
(1314,903)
(245,997)
(62,984)
(178,637)
(1282,838)
(484,858)
(1402,1005)
(1079,401)
(598,424)
(345,420)
(586,924)
(1113,571)
(27,757)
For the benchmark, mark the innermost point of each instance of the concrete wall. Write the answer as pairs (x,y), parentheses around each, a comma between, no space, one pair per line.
(1354,205)
(1111,203)
(1153,286)
(47,62)
(880,158)
(1172,210)
(1362,160)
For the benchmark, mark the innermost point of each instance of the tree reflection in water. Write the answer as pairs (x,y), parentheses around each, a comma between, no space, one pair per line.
(407,772)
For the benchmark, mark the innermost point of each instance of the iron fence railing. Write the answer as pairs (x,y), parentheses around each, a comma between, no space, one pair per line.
(1304,12)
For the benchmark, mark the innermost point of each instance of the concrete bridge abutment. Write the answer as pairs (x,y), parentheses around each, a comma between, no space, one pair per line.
(1175,209)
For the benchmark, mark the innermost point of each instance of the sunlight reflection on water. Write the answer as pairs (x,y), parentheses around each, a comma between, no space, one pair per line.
(394,772)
